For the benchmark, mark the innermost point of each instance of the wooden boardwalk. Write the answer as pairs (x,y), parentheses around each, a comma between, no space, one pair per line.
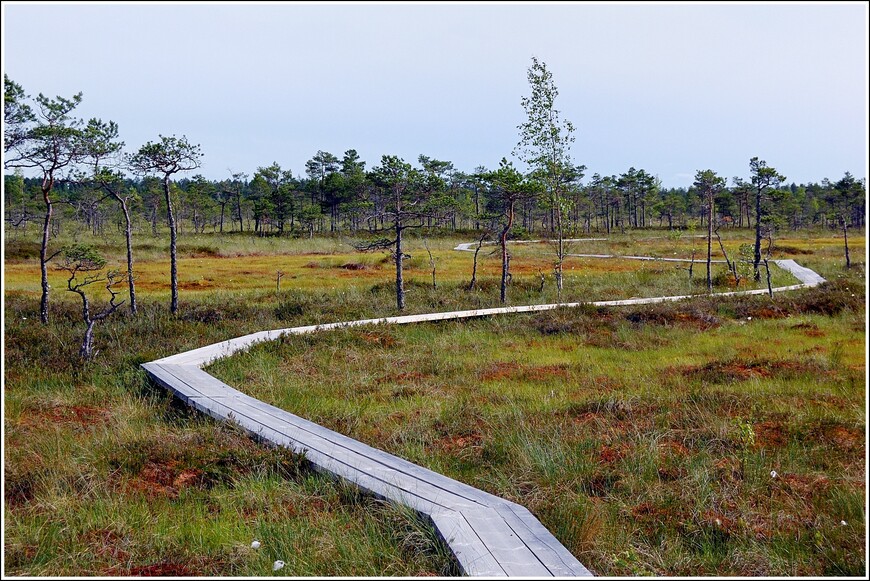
(488,536)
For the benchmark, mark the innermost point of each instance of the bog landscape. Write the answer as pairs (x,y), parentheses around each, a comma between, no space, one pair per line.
(716,429)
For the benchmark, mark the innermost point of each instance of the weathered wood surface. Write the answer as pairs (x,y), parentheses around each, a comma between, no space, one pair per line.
(489,536)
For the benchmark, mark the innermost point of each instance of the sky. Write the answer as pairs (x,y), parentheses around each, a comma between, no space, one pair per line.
(669,88)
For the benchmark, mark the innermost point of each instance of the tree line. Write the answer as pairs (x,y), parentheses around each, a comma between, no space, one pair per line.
(344,199)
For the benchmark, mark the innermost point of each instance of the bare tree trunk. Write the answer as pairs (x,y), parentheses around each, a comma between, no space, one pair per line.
(561,252)
(129,234)
(505,260)
(846,244)
(400,282)
(431,263)
(86,351)
(476,208)
(769,287)
(173,258)
(709,241)
(239,210)
(724,253)
(474,269)
(43,257)
(757,258)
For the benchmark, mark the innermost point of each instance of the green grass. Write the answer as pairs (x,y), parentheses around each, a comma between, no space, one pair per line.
(106,475)
(643,438)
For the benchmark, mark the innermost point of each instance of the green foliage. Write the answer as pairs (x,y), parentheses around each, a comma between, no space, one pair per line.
(17,115)
(166,157)
(82,257)
(745,434)
(545,138)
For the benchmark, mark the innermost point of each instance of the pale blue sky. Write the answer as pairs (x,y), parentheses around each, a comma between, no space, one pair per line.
(668,88)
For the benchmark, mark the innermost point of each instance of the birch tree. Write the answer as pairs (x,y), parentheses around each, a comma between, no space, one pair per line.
(545,142)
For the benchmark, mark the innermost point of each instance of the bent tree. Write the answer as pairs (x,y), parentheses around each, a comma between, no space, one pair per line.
(48,141)
(102,150)
(84,261)
(507,187)
(166,158)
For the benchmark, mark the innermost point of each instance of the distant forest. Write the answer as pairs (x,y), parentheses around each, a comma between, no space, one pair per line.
(338,195)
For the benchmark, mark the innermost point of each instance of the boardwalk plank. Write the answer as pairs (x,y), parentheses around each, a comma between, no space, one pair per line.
(559,560)
(470,552)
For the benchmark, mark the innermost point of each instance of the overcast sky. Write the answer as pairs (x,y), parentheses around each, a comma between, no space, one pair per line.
(670,88)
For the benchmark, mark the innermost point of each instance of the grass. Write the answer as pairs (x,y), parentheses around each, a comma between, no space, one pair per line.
(233,264)
(105,475)
(645,445)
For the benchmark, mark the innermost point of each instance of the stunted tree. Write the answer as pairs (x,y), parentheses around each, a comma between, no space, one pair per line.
(507,186)
(401,206)
(166,158)
(709,185)
(102,153)
(545,141)
(49,142)
(764,180)
(84,261)
(846,195)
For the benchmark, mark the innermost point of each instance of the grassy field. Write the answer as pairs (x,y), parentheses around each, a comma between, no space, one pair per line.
(643,439)
(105,475)
(233,264)
(629,433)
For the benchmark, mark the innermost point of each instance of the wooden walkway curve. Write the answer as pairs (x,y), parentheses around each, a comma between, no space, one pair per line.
(488,536)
